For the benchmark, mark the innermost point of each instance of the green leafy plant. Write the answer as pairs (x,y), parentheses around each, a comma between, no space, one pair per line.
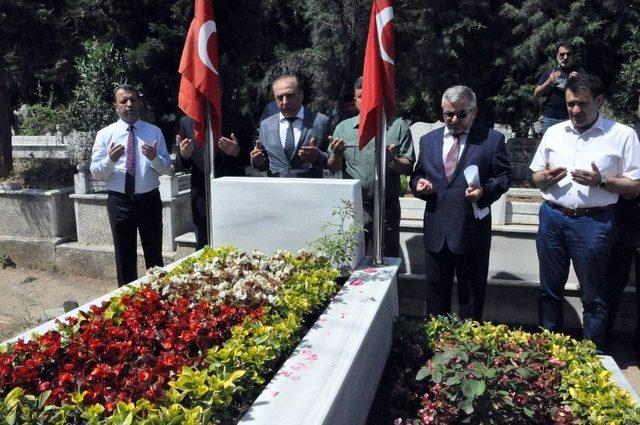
(221,387)
(43,119)
(490,374)
(340,245)
(101,68)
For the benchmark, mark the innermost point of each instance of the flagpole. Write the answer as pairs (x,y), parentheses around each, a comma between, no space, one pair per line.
(379,182)
(209,170)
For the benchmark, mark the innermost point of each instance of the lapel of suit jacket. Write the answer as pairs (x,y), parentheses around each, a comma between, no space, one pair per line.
(276,143)
(307,123)
(437,147)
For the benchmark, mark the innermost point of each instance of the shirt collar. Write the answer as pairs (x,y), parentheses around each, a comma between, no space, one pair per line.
(448,133)
(356,122)
(126,125)
(300,114)
(598,124)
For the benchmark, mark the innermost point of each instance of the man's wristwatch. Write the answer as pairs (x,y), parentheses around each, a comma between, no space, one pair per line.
(603,181)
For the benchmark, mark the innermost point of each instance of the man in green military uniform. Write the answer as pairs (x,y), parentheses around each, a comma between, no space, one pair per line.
(346,156)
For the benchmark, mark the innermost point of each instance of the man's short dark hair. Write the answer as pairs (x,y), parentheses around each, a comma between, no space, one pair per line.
(358,84)
(126,87)
(584,81)
(565,44)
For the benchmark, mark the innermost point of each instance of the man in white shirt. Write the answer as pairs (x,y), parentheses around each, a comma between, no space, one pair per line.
(293,142)
(581,166)
(130,155)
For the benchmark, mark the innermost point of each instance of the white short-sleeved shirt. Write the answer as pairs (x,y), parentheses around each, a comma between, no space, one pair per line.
(612,146)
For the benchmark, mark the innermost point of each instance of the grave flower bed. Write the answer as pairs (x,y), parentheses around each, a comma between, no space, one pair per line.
(449,371)
(194,345)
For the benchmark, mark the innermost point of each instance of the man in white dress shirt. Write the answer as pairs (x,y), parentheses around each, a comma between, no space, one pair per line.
(581,166)
(130,155)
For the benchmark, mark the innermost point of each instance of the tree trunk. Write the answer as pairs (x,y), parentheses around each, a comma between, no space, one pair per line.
(6,156)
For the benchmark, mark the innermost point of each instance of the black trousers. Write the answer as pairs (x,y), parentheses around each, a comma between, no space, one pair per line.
(391,227)
(131,214)
(471,270)
(621,258)
(199,214)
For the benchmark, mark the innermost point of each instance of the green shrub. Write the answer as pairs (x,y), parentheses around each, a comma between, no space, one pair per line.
(490,374)
(44,119)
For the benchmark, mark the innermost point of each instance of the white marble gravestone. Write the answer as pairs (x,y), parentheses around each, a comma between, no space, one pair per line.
(269,214)
(419,129)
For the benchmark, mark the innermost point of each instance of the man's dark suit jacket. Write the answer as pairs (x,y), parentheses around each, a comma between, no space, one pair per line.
(314,126)
(224,164)
(448,215)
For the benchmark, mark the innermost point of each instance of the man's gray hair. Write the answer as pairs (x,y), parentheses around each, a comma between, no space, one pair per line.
(457,93)
(283,76)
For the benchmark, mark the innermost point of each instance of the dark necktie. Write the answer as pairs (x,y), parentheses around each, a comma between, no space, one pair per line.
(130,176)
(289,141)
(452,158)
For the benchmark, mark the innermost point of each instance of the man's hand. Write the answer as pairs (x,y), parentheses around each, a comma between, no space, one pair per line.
(573,73)
(309,153)
(424,187)
(150,151)
(115,152)
(553,77)
(473,193)
(230,146)
(586,177)
(185,146)
(337,146)
(390,154)
(551,176)
(258,158)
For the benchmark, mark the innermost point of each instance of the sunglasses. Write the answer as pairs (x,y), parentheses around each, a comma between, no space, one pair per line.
(460,114)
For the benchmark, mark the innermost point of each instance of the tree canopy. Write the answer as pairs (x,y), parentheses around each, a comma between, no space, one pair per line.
(497,48)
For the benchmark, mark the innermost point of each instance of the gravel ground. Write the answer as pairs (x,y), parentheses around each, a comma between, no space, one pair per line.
(26,296)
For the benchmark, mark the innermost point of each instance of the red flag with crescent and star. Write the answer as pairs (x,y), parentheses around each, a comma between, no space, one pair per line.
(378,85)
(200,79)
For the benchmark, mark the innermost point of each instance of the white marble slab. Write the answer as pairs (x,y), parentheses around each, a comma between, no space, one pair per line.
(269,214)
(618,377)
(333,375)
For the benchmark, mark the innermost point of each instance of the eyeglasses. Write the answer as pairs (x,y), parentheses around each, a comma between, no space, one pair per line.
(460,114)
(564,54)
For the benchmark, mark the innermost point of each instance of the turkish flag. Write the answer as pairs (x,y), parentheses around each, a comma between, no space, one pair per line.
(199,69)
(378,85)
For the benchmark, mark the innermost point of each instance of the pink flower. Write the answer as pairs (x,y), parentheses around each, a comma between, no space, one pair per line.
(309,355)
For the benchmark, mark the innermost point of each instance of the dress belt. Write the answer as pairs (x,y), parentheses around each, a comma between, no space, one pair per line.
(134,196)
(579,212)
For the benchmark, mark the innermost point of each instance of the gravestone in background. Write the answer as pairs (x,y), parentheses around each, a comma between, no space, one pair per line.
(419,129)
(269,214)
(520,151)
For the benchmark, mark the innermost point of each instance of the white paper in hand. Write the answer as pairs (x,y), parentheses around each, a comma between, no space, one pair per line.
(472,176)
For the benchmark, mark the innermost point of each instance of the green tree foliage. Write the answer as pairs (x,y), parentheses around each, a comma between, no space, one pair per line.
(626,88)
(99,70)
(442,43)
(595,28)
(498,48)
